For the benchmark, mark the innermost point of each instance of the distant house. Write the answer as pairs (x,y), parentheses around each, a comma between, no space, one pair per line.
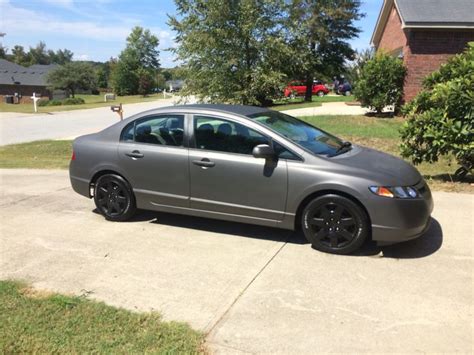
(425,33)
(16,80)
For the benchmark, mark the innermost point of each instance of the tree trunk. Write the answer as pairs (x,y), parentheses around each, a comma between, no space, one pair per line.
(308,96)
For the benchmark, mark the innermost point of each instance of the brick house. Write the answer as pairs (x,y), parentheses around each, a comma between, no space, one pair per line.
(424,33)
(23,81)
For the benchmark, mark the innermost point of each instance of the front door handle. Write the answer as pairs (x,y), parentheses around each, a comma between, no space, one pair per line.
(205,163)
(135,154)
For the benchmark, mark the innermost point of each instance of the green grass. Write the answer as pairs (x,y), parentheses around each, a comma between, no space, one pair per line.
(91,101)
(47,154)
(290,104)
(40,322)
(378,133)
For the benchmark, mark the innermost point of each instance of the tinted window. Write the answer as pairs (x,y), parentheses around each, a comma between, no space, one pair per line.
(160,130)
(225,136)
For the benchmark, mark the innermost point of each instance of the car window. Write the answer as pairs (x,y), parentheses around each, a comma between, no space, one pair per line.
(160,130)
(226,136)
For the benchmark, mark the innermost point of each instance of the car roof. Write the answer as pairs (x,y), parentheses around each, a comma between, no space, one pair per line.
(236,109)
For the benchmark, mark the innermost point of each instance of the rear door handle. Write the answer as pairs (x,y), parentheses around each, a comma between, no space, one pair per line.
(205,163)
(135,154)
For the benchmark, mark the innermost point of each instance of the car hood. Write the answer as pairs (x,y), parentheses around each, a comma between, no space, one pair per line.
(383,168)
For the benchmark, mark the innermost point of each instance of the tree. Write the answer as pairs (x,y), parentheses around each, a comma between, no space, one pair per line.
(60,56)
(441,117)
(19,55)
(3,52)
(141,54)
(232,51)
(360,59)
(381,82)
(319,31)
(73,76)
(38,54)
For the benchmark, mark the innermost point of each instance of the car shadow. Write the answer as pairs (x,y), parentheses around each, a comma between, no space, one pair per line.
(218,226)
(421,247)
(429,243)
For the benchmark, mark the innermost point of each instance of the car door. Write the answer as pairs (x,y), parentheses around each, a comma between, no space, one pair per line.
(154,155)
(226,178)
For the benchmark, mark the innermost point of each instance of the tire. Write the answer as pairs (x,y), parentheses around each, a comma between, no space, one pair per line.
(293,95)
(335,224)
(320,93)
(461,173)
(114,198)
(347,93)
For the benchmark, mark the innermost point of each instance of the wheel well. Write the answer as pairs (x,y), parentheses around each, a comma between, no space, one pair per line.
(312,196)
(102,173)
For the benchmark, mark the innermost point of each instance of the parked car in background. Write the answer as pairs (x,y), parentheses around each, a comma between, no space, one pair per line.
(252,165)
(342,86)
(298,88)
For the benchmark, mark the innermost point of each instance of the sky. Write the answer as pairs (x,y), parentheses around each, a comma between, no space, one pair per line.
(96,30)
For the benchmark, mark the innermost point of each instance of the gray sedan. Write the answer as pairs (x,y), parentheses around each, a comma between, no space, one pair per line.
(251,165)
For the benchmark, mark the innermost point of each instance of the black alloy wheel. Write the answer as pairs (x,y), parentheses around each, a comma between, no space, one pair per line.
(114,198)
(335,224)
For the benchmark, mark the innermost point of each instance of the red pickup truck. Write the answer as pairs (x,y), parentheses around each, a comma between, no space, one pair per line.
(298,88)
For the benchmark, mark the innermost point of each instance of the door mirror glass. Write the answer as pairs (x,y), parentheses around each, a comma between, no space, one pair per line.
(263,151)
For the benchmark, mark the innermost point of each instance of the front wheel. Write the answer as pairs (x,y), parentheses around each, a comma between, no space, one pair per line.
(347,93)
(335,224)
(114,198)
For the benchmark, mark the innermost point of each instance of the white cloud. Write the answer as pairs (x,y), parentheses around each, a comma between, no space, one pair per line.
(61,3)
(81,57)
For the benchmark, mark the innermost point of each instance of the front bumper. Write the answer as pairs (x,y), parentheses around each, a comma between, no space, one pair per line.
(399,220)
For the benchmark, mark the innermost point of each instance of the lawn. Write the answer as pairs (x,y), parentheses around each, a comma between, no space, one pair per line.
(378,133)
(290,104)
(38,322)
(49,154)
(91,101)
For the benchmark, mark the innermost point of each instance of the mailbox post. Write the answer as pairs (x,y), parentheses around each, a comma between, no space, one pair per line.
(118,109)
(35,100)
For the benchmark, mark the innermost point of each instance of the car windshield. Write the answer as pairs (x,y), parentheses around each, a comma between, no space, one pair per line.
(301,133)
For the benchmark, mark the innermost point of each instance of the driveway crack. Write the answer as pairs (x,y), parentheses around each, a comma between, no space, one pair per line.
(241,293)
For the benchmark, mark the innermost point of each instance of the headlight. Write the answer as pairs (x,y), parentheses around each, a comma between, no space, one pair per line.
(395,192)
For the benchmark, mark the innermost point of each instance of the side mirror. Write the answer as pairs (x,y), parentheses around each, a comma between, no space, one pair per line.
(263,151)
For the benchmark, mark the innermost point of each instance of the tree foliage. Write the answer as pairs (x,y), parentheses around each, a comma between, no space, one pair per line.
(380,82)
(319,31)
(38,55)
(441,117)
(232,51)
(72,77)
(140,56)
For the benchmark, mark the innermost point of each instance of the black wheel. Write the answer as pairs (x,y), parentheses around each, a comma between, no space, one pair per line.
(347,93)
(320,93)
(114,198)
(335,224)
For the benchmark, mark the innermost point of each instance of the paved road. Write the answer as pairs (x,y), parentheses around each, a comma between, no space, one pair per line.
(21,127)
(253,289)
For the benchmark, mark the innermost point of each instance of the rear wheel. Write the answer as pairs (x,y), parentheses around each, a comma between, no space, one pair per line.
(114,198)
(347,93)
(335,224)
(320,93)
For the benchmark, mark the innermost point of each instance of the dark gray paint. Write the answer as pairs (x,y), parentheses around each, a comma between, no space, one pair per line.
(246,189)
(449,12)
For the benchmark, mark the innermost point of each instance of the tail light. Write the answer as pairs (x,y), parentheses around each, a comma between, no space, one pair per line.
(73,157)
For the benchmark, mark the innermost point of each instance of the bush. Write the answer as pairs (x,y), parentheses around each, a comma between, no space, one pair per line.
(441,117)
(73,101)
(380,82)
(42,102)
(54,102)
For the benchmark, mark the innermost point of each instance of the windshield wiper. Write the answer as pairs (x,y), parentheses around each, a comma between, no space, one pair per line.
(345,146)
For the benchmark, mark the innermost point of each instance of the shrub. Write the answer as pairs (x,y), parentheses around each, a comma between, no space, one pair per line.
(441,117)
(380,82)
(73,101)
(42,102)
(54,102)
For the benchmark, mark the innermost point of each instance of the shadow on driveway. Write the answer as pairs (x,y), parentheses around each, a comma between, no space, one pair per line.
(421,247)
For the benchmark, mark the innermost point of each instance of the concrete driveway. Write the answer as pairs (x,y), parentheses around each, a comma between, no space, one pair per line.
(252,289)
